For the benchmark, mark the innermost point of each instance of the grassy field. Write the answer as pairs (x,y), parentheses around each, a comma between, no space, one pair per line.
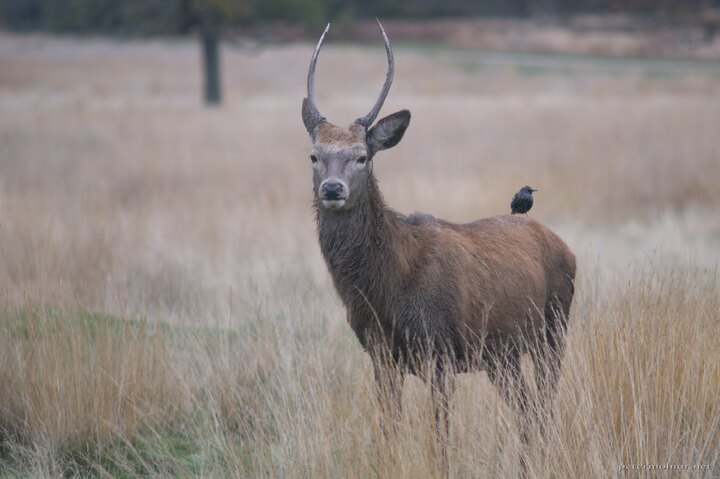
(164,309)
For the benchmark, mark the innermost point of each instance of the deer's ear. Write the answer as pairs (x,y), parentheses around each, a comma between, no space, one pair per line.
(388,132)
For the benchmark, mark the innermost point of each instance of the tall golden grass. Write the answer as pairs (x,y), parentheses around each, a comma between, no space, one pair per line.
(165,310)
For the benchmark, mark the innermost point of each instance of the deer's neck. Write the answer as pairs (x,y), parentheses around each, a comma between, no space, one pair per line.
(361,247)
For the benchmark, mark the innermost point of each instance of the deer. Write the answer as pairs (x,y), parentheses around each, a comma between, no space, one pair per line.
(426,296)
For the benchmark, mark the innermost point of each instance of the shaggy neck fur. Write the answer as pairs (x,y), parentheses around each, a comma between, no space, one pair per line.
(360,247)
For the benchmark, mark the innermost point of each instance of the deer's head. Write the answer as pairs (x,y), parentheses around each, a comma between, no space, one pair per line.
(342,156)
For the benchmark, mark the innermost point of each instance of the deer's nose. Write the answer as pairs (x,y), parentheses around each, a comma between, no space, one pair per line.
(332,190)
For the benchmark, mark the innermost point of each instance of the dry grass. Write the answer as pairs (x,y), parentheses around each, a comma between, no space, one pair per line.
(165,310)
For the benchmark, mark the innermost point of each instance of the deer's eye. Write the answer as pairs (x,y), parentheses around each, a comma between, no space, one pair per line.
(313,158)
(362,160)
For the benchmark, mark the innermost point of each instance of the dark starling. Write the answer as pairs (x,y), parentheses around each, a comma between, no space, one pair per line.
(522,201)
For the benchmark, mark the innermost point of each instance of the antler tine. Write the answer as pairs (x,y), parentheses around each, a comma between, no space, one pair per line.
(368,119)
(314,114)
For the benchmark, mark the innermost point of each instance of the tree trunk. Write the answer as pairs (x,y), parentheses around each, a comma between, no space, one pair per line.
(210,41)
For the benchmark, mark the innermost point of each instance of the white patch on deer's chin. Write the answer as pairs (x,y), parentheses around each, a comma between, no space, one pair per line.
(333,204)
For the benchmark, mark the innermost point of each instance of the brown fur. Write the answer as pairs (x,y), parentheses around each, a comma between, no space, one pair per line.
(427,296)
(475,287)
(421,291)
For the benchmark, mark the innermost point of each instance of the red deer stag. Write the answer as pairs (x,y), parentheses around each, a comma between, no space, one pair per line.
(461,297)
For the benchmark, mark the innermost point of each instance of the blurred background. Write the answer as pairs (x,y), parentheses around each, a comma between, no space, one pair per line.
(668,28)
(164,308)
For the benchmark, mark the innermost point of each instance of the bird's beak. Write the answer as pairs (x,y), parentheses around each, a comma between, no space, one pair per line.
(533,190)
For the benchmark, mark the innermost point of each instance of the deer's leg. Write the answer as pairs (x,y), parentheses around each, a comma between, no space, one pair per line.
(546,362)
(547,372)
(442,387)
(389,379)
(505,373)
(548,352)
(548,357)
(503,370)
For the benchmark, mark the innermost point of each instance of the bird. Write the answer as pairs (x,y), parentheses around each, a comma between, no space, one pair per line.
(522,201)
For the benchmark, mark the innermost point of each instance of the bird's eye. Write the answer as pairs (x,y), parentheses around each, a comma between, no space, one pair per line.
(362,160)
(313,158)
